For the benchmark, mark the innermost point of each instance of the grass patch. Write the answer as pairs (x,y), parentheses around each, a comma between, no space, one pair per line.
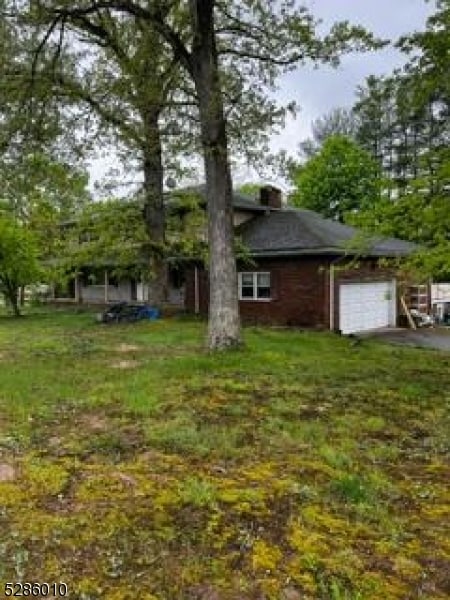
(353,489)
(297,467)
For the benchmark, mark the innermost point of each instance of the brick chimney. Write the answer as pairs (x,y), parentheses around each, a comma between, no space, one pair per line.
(270,196)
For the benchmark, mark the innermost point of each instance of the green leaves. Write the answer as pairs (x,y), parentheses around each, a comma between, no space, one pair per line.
(404,123)
(107,233)
(18,259)
(341,179)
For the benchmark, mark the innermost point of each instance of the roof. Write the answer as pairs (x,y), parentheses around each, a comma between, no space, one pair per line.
(241,201)
(298,231)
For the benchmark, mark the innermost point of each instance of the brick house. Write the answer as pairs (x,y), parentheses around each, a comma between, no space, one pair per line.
(302,270)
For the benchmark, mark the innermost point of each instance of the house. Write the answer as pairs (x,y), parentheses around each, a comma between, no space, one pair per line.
(105,258)
(308,271)
(102,283)
(299,269)
(440,301)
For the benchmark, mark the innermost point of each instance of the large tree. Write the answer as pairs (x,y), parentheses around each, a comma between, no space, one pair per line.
(152,120)
(341,179)
(266,38)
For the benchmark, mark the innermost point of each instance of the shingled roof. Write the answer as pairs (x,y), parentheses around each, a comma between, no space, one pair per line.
(297,231)
(241,200)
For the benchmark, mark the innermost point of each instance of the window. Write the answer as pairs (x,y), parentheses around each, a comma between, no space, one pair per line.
(254,286)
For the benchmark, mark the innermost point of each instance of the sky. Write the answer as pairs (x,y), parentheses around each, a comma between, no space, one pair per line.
(317,91)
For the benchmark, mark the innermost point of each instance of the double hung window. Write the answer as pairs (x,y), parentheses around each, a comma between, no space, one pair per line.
(254,286)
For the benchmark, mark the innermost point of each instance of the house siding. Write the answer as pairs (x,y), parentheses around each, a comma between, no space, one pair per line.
(95,294)
(300,290)
(298,293)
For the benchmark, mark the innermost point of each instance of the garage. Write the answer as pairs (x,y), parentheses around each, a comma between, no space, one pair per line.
(364,306)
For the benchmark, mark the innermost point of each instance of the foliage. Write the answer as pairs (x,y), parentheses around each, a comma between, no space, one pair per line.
(417,218)
(18,260)
(109,233)
(249,188)
(221,50)
(341,179)
(404,123)
(402,128)
(340,121)
(39,193)
(112,234)
(35,182)
(277,470)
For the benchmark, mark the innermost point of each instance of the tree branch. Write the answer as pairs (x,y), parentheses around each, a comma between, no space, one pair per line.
(151,14)
(73,89)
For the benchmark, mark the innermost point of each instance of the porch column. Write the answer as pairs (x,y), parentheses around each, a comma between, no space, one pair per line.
(196,292)
(106,286)
(77,289)
(331,297)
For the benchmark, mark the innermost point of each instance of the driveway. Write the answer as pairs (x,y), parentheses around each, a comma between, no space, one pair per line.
(437,337)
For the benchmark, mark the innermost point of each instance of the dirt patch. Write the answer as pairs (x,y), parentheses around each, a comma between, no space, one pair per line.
(125,364)
(126,348)
(127,480)
(7,472)
(95,423)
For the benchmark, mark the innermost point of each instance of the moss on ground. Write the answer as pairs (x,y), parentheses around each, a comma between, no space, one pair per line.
(299,467)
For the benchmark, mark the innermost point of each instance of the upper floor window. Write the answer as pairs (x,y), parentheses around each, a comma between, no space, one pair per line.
(254,286)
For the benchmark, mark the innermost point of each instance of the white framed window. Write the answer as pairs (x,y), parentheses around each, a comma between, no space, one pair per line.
(254,286)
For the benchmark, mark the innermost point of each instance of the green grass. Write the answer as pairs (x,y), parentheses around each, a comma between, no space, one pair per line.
(298,467)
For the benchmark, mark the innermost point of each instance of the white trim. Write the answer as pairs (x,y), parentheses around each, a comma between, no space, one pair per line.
(106,285)
(254,275)
(77,289)
(331,293)
(196,292)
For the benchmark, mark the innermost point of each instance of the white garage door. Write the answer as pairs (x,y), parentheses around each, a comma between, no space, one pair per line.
(364,306)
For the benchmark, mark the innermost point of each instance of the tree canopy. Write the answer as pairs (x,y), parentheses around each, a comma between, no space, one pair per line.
(404,123)
(19,265)
(339,121)
(222,47)
(341,179)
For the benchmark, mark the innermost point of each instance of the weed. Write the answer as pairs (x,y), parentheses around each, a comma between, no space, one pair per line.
(334,457)
(333,589)
(352,488)
(198,492)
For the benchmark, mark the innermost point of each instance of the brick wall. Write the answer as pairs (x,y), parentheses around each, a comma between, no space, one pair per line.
(300,290)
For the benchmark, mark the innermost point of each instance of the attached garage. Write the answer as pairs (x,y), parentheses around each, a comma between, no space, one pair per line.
(365,306)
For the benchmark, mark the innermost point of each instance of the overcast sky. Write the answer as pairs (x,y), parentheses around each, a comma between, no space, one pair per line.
(318,91)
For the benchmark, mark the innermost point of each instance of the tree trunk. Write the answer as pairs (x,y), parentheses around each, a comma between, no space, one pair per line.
(154,209)
(12,297)
(224,323)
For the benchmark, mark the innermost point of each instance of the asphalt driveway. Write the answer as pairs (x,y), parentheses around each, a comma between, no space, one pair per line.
(436,337)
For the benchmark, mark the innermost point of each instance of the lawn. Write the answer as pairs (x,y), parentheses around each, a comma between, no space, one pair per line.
(135,465)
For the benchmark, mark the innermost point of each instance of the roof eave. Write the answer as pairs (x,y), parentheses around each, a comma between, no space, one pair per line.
(333,250)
